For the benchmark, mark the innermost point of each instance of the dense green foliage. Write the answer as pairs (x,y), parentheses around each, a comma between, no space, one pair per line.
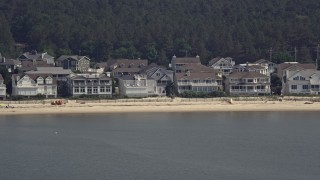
(157,29)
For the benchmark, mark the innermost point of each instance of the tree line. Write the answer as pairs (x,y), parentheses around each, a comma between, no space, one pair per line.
(157,30)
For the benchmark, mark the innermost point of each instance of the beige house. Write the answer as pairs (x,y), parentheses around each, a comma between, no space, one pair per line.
(177,63)
(247,83)
(198,78)
(32,85)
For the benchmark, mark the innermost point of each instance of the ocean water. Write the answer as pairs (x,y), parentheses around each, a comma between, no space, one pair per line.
(150,146)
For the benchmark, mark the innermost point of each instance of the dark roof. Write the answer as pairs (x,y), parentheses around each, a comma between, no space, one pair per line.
(214,60)
(126,63)
(127,77)
(193,76)
(36,56)
(260,61)
(241,75)
(187,60)
(196,68)
(9,62)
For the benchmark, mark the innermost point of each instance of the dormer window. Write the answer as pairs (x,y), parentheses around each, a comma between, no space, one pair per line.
(40,80)
(48,80)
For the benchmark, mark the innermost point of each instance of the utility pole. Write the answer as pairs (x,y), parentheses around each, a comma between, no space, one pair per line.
(270,58)
(295,54)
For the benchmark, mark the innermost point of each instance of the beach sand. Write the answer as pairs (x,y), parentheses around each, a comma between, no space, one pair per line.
(216,106)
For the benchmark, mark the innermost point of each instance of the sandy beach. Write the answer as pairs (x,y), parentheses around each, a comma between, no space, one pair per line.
(78,108)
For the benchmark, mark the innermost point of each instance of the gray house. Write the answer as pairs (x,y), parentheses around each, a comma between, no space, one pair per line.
(74,62)
(89,84)
(137,85)
(225,65)
(162,77)
(34,56)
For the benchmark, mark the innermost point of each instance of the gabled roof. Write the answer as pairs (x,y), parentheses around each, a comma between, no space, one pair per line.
(305,73)
(197,68)
(72,57)
(242,75)
(263,61)
(293,65)
(9,62)
(34,77)
(36,56)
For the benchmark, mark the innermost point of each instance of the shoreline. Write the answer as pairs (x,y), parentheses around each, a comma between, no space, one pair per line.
(145,107)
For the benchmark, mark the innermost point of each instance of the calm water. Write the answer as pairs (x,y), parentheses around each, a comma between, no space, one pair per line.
(220,145)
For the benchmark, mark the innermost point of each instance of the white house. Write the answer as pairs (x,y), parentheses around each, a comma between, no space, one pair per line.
(32,85)
(137,85)
(89,84)
(2,88)
(301,82)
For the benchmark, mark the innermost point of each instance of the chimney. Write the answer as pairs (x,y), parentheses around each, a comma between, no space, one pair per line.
(188,73)
(174,56)
(198,56)
(3,59)
(18,78)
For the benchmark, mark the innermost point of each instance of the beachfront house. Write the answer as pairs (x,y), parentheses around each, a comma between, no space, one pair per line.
(124,67)
(74,63)
(197,78)
(162,76)
(35,57)
(34,84)
(247,83)
(58,73)
(137,85)
(89,84)
(177,63)
(225,65)
(3,88)
(292,66)
(301,82)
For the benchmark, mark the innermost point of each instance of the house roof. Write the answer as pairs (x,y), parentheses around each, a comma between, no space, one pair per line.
(88,76)
(186,60)
(263,61)
(305,73)
(50,70)
(33,77)
(9,62)
(126,63)
(197,68)
(73,57)
(36,56)
(242,75)
(195,76)
(284,66)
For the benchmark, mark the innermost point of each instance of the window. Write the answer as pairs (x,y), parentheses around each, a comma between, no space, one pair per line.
(82,90)
(305,87)
(102,89)
(95,90)
(76,89)
(89,90)
(158,74)
(294,87)
(108,89)
(250,80)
